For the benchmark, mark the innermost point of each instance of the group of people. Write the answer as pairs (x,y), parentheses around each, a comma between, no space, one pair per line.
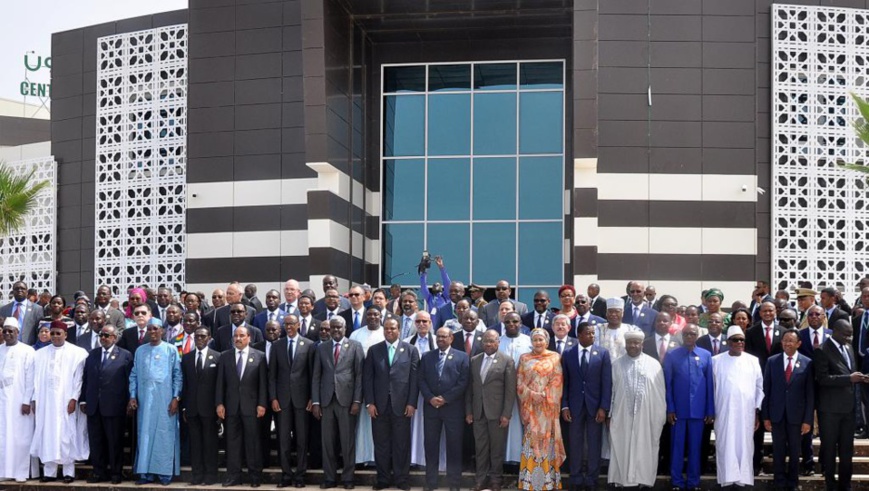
(432,379)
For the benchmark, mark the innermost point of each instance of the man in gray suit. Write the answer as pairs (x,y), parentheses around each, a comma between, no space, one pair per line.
(27,313)
(489,313)
(113,316)
(488,406)
(290,367)
(336,396)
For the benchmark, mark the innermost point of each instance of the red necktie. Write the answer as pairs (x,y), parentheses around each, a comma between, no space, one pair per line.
(17,311)
(768,339)
(187,345)
(714,346)
(816,342)
(662,350)
(337,352)
(141,335)
(788,371)
(468,338)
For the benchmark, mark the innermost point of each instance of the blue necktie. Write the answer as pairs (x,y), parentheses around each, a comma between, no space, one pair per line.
(356,320)
(239,365)
(584,365)
(440,366)
(290,352)
(105,358)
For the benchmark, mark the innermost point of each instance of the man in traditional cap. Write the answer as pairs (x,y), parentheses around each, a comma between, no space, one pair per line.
(738,383)
(805,299)
(61,428)
(476,293)
(16,418)
(611,336)
(639,410)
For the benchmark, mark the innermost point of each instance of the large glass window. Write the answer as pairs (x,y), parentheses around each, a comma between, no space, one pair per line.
(473,170)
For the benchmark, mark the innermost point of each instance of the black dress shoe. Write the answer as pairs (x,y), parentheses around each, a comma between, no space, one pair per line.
(231,482)
(68,479)
(349,485)
(116,480)
(95,479)
(196,482)
(284,484)
(327,485)
(47,479)
(254,484)
(299,483)
(404,487)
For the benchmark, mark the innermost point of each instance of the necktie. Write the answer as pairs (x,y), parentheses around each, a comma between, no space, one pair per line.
(105,358)
(406,329)
(329,316)
(845,355)
(714,346)
(768,339)
(583,366)
(440,366)
(816,342)
(662,350)
(558,346)
(788,371)
(141,335)
(17,312)
(337,352)
(636,314)
(304,327)
(290,352)
(468,343)
(239,365)
(186,348)
(356,320)
(391,354)
(162,313)
(539,320)
(198,361)
(271,316)
(487,360)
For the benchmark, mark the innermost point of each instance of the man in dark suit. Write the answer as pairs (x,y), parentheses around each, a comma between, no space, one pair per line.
(90,340)
(241,395)
(251,299)
(332,306)
(290,372)
(270,313)
(28,313)
(354,317)
(637,312)
(336,397)
(105,392)
(223,315)
(836,373)
(758,296)
(814,336)
(585,403)
(103,302)
(829,301)
(763,340)
(489,404)
(80,324)
(442,382)
(308,325)
(658,346)
(469,340)
(489,313)
(321,306)
(134,337)
(714,341)
(391,394)
(584,313)
(541,316)
(596,302)
(561,340)
(788,408)
(448,310)
(224,338)
(860,323)
(199,370)
(273,332)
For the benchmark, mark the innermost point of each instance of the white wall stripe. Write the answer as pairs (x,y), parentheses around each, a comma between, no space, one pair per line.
(247,244)
(268,192)
(675,240)
(676,187)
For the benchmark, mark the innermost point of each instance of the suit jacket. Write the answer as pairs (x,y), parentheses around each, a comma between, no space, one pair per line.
(33,313)
(85,340)
(259,320)
(199,389)
(105,389)
(114,317)
(254,303)
(222,339)
(241,397)
(342,380)
(476,346)
(493,398)
(451,384)
(444,313)
(431,341)
(489,313)
(705,342)
(755,313)
(598,308)
(529,317)
(592,320)
(291,384)
(220,317)
(755,343)
(587,391)
(347,315)
(835,390)
(650,346)
(646,320)
(788,402)
(130,340)
(569,342)
(689,383)
(806,338)
(397,383)
(837,314)
(320,305)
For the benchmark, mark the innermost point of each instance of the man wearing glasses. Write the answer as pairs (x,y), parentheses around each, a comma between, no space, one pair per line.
(199,370)
(237,318)
(489,313)
(638,312)
(738,382)
(105,390)
(763,340)
(132,338)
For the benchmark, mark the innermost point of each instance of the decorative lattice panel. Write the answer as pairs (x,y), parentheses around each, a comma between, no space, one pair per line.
(820,217)
(29,254)
(141,159)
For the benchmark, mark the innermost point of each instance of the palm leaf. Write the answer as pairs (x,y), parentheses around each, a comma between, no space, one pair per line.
(17,197)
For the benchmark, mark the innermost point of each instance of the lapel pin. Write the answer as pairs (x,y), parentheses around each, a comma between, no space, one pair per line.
(113,357)
(210,357)
(672,343)
(594,352)
(775,333)
(250,360)
(495,360)
(450,357)
(301,343)
(798,364)
(401,350)
(346,345)
(157,357)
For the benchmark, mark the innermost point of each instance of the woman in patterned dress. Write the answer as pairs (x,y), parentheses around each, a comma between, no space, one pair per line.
(539,385)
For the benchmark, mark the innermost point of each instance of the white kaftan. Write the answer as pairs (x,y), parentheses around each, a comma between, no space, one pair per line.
(515,348)
(364,437)
(16,429)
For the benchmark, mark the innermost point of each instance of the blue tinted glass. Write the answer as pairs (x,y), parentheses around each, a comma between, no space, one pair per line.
(402,248)
(540,251)
(495,76)
(526,295)
(495,188)
(494,124)
(541,192)
(403,125)
(449,189)
(494,253)
(449,78)
(540,122)
(453,242)
(404,79)
(449,124)
(402,186)
(545,75)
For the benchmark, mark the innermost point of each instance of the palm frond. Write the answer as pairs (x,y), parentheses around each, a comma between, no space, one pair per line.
(17,197)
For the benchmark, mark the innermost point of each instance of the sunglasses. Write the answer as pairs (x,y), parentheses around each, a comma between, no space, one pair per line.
(354,294)
(105,335)
(140,312)
(736,340)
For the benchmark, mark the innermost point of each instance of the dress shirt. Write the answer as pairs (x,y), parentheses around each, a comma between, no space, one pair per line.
(80,330)
(268,350)
(820,332)
(712,340)
(560,349)
(272,315)
(331,313)
(539,319)
(422,344)
(200,358)
(793,360)
(361,313)
(188,336)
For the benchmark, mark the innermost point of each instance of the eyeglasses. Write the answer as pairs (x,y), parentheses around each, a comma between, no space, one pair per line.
(8,331)
(421,321)
(736,340)
(354,294)
(105,335)
(582,302)
(140,312)
(217,296)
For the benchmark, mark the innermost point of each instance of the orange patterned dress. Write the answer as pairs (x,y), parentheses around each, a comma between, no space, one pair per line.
(539,384)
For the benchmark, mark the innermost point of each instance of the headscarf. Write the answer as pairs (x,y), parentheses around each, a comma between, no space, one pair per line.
(714,292)
(542,332)
(128,311)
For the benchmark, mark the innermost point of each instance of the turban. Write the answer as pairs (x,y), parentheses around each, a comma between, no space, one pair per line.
(639,335)
(714,292)
(615,303)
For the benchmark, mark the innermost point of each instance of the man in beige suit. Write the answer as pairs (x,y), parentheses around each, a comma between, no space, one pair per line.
(488,406)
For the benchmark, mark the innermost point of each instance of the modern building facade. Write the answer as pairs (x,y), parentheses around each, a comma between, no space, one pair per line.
(542,142)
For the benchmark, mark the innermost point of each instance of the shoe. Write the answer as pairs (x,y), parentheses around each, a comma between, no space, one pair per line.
(378,487)
(47,479)
(68,479)
(254,484)
(284,484)
(144,480)
(404,487)
(231,482)
(95,479)
(116,480)
(196,482)
(165,482)
(327,485)
(454,488)
(299,483)
(349,485)
(807,472)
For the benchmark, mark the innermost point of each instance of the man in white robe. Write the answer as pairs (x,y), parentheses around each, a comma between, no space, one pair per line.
(738,397)
(611,336)
(368,336)
(16,418)
(514,344)
(60,437)
(637,415)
